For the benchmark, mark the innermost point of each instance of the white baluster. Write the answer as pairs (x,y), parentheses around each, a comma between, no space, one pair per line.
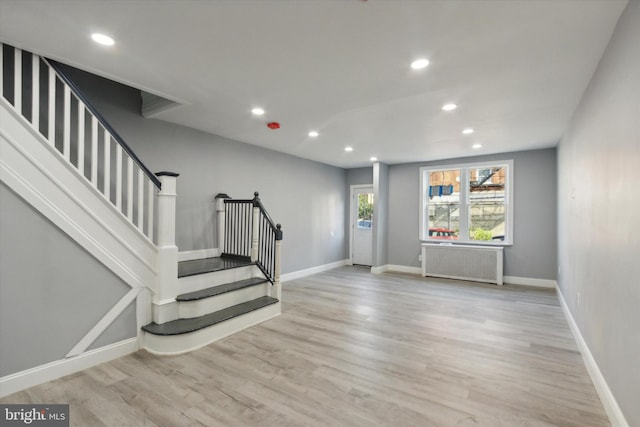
(130,188)
(35,92)
(94,151)
(17,80)
(52,107)
(151,198)
(107,164)
(81,114)
(140,222)
(1,70)
(66,130)
(221,219)
(119,177)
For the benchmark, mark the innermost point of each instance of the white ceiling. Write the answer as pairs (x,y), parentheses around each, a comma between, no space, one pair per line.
(517,69)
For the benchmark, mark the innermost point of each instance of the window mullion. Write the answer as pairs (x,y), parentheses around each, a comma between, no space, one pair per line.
(464,205)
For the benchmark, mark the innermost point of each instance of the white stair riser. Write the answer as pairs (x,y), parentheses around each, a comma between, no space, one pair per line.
(177,344)
(165,311)
(203,281)
(188,309)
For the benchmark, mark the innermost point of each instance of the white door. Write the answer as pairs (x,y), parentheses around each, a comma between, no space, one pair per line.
(362,225)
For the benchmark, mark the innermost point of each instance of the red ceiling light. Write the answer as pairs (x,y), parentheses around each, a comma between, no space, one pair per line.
(273,125)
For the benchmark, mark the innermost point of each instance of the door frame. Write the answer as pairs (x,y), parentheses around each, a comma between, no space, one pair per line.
(351,213)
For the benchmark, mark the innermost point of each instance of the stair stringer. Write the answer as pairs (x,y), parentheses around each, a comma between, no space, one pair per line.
(38,173)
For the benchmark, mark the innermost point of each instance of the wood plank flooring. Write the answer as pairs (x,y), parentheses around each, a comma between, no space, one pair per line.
(356,349)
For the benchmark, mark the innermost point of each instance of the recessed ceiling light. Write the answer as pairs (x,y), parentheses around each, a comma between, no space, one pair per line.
(102,39)
(476,146)
(258,111)
(313,134)
(468,131)
(449,107)
(374,159)
(419,64)
(348,149)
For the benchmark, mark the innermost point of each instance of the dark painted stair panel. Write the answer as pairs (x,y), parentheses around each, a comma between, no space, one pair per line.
(220,289)
(184,326)
(209,265)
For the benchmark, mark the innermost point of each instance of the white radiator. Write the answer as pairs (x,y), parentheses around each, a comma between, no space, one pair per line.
(477,263)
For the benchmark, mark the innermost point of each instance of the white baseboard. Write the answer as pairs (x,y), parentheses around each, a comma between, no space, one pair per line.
(313,270)
(396,269)
(51,371)
(530,281)
(198,254)
(616,417)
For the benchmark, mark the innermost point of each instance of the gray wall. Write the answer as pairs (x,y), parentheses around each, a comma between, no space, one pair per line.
(43,277)
(308,198)
(359,176)
(380,214)
(533,253)
(599,213)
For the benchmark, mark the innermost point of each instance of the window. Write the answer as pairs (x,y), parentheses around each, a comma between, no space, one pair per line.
(365,210)
(467,203)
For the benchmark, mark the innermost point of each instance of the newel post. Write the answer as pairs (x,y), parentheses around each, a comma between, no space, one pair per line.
(221,219)
(277,258)
(167,262)
(255,227)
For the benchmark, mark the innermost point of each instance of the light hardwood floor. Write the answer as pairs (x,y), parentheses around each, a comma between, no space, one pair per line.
(356,349)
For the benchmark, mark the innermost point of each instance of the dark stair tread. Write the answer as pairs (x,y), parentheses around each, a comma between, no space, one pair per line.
(220,289)
(209,265)
(183,326)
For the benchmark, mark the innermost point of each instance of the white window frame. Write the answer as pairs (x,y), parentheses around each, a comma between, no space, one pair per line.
(464,202)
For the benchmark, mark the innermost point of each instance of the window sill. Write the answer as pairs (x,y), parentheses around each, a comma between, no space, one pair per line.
(466,243)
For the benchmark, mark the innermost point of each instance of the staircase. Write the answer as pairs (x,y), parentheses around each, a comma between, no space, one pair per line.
(61,156)
(224,295)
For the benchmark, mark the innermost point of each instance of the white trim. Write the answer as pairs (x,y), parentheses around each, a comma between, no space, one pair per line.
(51,371)
(104,323)
(313,270)
(530,281)
(396,269)
(198,254)
(616,417)
(464,201)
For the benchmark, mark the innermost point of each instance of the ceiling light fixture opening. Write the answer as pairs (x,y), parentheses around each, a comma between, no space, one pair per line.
(449,107)
(102,39)
(419,64)
(476,146)
(257,111)
(348,149)
(313,134)
(468,131)
(374,159)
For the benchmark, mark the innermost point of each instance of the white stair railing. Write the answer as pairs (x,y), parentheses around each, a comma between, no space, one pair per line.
(41,93)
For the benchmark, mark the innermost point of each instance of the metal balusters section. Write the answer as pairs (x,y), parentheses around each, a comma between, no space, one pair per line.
(237,242)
